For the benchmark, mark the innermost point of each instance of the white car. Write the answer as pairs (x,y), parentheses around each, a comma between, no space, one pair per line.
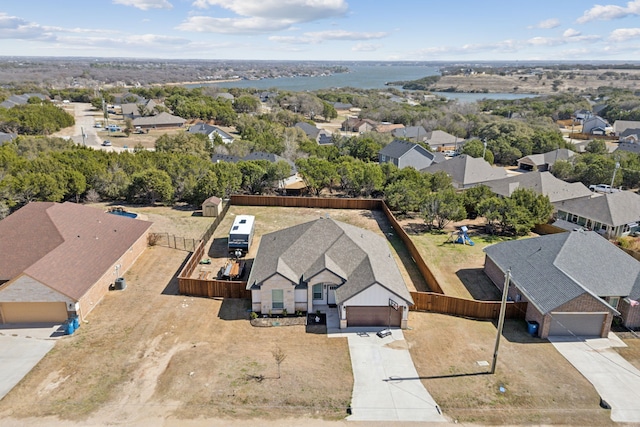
(603,188)
(106,143)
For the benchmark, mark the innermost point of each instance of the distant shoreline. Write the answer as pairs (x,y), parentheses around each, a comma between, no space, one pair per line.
(198,82)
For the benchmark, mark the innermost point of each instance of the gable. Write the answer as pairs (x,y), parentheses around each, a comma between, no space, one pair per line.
(27,289)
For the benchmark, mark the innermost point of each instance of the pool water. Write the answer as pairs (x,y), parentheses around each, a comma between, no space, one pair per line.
(124,213)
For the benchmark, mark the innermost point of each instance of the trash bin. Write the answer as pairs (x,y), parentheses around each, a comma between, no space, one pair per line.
(532,327)
(68,327)
(120,284)
(76,321)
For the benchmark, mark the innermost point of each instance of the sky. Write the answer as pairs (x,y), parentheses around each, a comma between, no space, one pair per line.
(329,30)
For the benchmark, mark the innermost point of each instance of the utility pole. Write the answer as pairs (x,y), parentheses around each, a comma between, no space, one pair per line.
(484,150)
(503,308)
(614,173)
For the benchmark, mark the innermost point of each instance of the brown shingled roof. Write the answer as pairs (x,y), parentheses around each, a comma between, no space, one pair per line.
(66,246)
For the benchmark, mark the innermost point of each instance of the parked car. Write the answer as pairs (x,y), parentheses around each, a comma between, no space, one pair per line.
(106,143)
(114,128)
(603,188)
(97,125)
(450,153)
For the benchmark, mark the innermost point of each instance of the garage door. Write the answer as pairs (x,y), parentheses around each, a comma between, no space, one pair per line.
(33,312)
(580,324)
(373,316)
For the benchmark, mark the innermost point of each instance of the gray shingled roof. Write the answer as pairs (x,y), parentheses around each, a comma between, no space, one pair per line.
(360,257)
(466,170)
(554,269)
(542,183)
(548,158)
(163,118)
(398,148)
(614,209)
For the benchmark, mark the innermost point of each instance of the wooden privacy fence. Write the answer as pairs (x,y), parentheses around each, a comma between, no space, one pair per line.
(305,202)
(214,288)
(438,303)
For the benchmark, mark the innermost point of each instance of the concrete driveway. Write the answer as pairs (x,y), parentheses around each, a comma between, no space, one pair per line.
(386,385)
(21,348)
(616,380)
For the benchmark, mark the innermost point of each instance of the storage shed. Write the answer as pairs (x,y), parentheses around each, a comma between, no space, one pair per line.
(212,207)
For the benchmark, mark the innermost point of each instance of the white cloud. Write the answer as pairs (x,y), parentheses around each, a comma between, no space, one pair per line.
(294,10)
(547,24)
(544,41)
(13,27)
(609,12)
(570,32)
(262,15)
(624,34)
(206,24)
(320,36)
(365,47)
(145,4)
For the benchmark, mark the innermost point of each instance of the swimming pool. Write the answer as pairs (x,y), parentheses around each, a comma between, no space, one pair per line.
(124,213)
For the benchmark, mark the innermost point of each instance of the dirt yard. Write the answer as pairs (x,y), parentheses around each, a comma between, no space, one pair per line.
(147,356)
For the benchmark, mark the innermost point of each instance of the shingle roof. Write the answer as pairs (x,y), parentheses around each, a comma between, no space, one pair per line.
(398,148)
(466,170)
(619,126)
(360,257)
(415,132)
(548,158)
(552,270)
(66,246)
(163,118)
(542,183)
(614,209)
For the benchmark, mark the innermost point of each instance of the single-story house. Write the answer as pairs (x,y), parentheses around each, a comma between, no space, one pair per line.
(466,171)
(355,124)
(210,132)
(321,136)
(595,125)
(212,206)
(633,147)
(440,140)
(574,282)
(162,120)
(544,162)
(59,259)
(388,127)
(14,100)
(324,263)
(610,214)
(404,154)
(625,127)
(134,110)
(542,183)
(581,115)
(415,133)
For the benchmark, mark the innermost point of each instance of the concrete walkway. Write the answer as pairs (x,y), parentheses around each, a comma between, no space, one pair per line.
(616,380)
(386,384)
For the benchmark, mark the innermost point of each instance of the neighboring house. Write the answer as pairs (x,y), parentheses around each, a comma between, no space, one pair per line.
(610,214)
(542,183)
(266,96)
(128,98)
(595,125)
(321,136)
(440,140)
(210,132)
(355,124)
(162,120)
(582,115)
(544,162)
(132,111)
(7,137)
(466,171)
(58,260)
(408,154)
(342,106)
(212,207)
(629,135)
(322,263)
(257,155)
(622,127)
(14,100)
(225,95)
(412,133)
(574,282)
(633,147)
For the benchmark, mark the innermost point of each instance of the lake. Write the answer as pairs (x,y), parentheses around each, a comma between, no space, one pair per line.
(361,77)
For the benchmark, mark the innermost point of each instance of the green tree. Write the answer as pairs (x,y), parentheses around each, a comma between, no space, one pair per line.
(150,186)
(442,207)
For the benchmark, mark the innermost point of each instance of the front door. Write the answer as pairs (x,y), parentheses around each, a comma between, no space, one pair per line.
(331,297)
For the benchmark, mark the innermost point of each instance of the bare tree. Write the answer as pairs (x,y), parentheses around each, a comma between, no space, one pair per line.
(278,355)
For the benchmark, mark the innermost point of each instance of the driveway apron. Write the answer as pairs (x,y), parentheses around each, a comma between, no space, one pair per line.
(616,380)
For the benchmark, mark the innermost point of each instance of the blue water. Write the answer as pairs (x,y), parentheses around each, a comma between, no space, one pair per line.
(124,213)
(361,77)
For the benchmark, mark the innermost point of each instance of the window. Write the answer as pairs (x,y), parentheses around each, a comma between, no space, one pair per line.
(277,299)
(317,291)
(613,301)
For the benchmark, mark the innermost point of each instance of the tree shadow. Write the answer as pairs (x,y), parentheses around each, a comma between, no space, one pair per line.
(173,287)
(478,284)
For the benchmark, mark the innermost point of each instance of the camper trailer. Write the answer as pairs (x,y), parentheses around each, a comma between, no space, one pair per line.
(241,234)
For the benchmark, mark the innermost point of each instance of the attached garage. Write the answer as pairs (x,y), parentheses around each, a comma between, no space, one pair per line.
(373,316)
(579,324)
(33,312)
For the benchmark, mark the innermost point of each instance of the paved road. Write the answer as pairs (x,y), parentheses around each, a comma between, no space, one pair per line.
(616,380)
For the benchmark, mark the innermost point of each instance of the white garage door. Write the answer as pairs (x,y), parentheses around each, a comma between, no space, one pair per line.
(579,324)
(33,312)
